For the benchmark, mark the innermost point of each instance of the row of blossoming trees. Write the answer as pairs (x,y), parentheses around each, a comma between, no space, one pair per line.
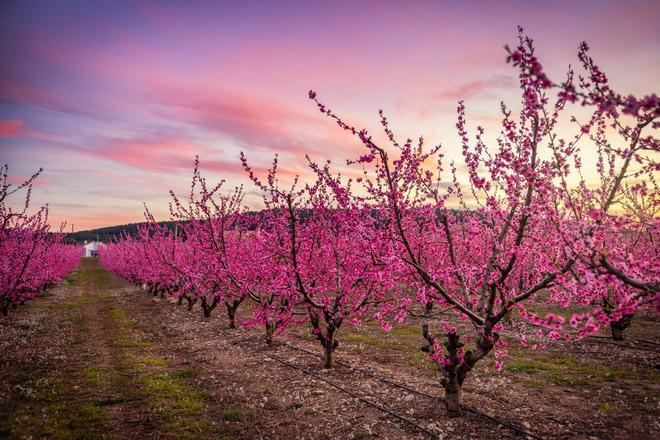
(32,257)
(525,225)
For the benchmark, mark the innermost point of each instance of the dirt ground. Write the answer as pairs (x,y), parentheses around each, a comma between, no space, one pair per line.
(98,358)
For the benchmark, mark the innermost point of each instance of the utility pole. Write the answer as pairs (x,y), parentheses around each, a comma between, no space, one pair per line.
(72,228)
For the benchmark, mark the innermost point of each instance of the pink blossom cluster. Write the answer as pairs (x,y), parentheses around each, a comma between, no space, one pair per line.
(32,257)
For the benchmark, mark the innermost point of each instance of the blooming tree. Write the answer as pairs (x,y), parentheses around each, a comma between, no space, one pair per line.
(617,216)
(321,245)
(214,233)
(32,258)
(508,238)
(261,278)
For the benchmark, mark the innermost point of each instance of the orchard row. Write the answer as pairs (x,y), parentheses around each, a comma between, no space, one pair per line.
(32,257)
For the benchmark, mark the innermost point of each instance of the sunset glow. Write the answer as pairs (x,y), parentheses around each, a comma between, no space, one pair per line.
(115,99)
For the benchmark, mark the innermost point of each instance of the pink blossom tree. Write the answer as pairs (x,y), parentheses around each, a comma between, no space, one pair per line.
(320,245)
(509,237)
(213,230)
(261,279)
(616,216)
(32,258)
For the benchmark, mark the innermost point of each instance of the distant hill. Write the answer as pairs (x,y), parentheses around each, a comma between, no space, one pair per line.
(109,233)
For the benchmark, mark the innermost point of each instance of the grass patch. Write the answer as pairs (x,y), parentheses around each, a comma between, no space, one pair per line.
(186,374)
(409,331)
(94,376)
(52,413)
(160,387)
(235,415)
(179,408)
(92,413)
(390,340)
(72,277)
(563,379)
(152,361)
(523,366)
(565,370)
(533,385)
(65,306)
(362,338)
(167,387)
(420,359)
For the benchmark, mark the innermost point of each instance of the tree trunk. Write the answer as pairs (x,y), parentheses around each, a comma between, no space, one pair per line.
(452,381)
(456,370)
(329,344)
(270,329)
(191,302)
(619,326)
(327,338)
(4,309)
(180,301)
(208,308)
(453,394)
(231,313)
(327,356)
(428,307)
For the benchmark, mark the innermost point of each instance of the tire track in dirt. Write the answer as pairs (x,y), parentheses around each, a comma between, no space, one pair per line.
(144,396)
(48,390)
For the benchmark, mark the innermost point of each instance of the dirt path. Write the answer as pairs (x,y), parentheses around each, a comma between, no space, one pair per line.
(74,365)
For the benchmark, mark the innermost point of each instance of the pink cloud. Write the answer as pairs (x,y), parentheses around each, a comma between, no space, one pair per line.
(259,125)
(251,119)
(480,88)
(17,128)
(22,92)
(163,155)
(151,154)
(11,127)
(41,181)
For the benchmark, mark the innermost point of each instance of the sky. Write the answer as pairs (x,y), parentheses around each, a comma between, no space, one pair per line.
(115,99)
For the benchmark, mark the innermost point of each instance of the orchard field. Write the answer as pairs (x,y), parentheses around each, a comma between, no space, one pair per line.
(100,358)
(496,294)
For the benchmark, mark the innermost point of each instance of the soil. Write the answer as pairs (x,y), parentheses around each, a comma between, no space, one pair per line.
(99,358)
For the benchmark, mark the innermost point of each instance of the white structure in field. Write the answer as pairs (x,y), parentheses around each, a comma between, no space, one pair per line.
(91,249)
